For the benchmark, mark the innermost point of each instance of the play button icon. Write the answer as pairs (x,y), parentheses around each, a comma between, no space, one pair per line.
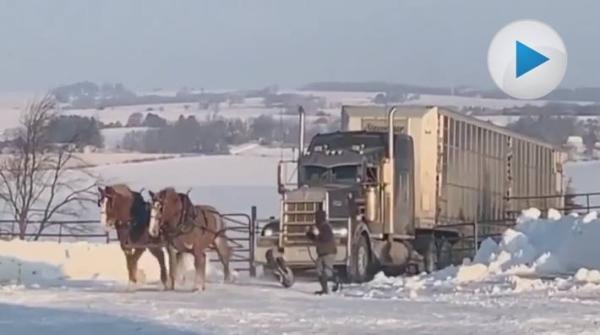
(527,59)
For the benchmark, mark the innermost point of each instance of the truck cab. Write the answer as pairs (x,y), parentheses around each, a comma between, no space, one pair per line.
(343,173)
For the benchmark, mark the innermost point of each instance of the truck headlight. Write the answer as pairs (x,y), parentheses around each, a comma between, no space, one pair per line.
(343,232)
(268,232)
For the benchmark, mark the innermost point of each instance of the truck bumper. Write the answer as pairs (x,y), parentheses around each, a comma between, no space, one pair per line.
(297,256)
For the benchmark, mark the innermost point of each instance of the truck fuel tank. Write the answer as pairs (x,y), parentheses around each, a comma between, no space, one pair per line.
(371,203)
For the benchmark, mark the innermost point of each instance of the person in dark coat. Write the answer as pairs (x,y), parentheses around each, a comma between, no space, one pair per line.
(322,236)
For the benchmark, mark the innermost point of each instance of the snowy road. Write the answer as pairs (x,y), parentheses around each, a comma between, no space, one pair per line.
(263,308)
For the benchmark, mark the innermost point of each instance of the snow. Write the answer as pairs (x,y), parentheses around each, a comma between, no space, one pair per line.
(115,158)
(584,177)
(250,177)
(554,214)
(172,112)
(51,263)
(113,137)
(562,249)
(541,277)
(590,217)
(73,288)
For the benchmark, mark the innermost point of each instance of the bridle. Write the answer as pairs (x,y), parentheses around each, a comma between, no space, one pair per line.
(167,229)
(104,209)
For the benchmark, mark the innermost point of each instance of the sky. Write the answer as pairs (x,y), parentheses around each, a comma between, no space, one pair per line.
(150,44)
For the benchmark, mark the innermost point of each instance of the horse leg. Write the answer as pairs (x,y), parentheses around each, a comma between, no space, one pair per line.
(135,257)
(181,270)
(224,252)
(128,258)
(200,265)
(173,257)
(160,257)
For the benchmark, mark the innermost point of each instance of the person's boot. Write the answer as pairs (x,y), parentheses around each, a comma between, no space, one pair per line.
(324,288)
(337,284)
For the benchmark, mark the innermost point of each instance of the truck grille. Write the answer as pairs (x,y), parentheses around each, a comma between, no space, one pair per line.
(297,218)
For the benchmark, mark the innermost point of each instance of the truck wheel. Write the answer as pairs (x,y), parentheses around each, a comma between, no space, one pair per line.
(444,252)
(362,266)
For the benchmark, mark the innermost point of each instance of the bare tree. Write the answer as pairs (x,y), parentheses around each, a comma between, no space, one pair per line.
(41,180)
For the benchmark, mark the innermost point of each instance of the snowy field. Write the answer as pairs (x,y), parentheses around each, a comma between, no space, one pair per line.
(542,277)
(231,183)
(506,289)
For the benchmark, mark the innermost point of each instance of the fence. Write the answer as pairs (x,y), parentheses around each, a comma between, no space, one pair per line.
(241,233)
(573,202)
(468,244)
(76,229)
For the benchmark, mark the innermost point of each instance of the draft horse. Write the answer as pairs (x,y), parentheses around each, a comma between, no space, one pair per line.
(126,211)
(189,229)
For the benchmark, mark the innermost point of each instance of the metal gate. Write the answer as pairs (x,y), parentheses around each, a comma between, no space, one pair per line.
(241,233)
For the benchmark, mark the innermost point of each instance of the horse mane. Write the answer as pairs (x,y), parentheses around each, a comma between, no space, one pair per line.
(187,207)
(122,189)
(140,215)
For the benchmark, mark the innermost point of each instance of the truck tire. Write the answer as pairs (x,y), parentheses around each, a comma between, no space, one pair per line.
(438,254)
(444,252)
(361,262)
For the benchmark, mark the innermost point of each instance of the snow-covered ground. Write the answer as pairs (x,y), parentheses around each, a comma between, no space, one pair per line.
(231,183)
(264,308)
(469,102)
(504,290)
(113,137)
(508,288)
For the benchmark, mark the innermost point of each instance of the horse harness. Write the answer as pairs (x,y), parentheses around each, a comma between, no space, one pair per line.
(187,221)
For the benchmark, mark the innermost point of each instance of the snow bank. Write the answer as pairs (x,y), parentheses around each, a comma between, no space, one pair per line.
(528,257)
(30,263)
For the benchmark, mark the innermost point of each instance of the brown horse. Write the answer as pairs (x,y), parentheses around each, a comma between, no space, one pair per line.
(189,229)
(127,212)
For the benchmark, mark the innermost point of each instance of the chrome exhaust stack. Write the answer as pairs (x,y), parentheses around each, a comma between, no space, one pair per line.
(392,167)
(301,127)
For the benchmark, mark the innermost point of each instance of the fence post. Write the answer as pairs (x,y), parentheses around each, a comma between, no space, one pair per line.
(587,198)
(60,233)
(475,237)
(252,241)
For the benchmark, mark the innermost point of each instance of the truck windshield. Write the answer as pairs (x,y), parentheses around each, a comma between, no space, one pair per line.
(315,175)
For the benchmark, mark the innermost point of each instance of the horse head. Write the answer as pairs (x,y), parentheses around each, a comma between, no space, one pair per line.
(168,208)
(115,204)
(161,210)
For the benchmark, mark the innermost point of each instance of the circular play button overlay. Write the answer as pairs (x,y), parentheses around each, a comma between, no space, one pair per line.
(527,59)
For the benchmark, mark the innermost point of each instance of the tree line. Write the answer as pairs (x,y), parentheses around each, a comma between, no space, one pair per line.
(214,136)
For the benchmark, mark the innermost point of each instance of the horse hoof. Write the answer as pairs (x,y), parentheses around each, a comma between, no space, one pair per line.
(198,289)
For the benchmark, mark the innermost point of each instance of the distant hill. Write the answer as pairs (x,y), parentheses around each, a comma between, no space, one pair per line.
(591,94)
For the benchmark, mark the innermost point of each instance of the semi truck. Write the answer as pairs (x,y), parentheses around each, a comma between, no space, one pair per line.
(402,186)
